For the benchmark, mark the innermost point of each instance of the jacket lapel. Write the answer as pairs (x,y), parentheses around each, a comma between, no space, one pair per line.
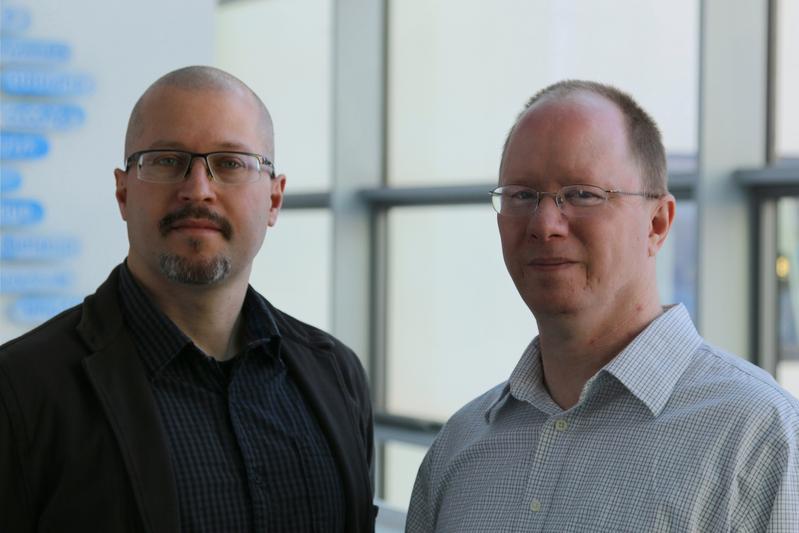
(319,378)
(118,377)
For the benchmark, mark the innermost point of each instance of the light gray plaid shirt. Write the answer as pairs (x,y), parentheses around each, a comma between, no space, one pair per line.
(673,435)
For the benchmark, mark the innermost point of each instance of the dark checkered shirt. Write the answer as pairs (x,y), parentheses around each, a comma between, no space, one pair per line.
(247,453)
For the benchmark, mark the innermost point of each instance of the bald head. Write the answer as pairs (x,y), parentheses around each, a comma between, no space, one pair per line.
(643,136)
(198,79)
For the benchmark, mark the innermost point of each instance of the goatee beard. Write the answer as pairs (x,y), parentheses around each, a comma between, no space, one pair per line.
(194,271)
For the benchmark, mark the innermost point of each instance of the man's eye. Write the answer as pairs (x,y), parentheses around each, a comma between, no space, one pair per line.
(230,164)
(522,195)
(166,161)
(582,194)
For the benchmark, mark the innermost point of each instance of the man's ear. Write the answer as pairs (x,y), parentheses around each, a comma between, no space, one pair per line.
(277,187)
(661,219)
(121,178)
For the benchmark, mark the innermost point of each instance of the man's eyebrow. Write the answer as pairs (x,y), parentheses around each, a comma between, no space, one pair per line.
(234,146)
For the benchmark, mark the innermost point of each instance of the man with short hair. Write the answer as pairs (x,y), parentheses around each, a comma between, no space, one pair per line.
(176,398)
(618,416)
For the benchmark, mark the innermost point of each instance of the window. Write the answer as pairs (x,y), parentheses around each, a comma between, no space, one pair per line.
(293,267)
(456,325)
(460,71)
(280,48)
(787,279)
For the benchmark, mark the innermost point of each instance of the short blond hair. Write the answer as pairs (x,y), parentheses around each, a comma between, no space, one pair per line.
(643,135)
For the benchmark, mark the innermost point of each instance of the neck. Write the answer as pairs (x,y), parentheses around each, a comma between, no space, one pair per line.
(575,347)
(210,315)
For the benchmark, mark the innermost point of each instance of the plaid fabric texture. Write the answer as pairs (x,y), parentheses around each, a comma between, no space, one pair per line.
(673,435)
(247,453)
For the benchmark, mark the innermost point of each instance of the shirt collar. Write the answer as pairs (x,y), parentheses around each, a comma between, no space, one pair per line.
(159,340)
(526,383)
(648,367)
(259,322)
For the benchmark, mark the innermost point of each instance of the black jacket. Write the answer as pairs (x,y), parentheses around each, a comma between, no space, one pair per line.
(81,442)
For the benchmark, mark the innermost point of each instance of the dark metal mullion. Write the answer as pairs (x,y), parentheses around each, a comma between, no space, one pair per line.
(773,180)
(763,185)
(683,184)
(411,196)
(378,327)
(771,82)
(307,200)
(755,226)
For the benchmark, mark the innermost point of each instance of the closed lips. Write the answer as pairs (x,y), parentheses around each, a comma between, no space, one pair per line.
(196,224)
(551,261)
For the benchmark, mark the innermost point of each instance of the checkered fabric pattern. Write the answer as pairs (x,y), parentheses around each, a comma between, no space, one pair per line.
(673,435)
(246,451)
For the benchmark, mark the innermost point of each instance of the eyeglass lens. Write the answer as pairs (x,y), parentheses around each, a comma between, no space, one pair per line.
(172,166)
(572,200)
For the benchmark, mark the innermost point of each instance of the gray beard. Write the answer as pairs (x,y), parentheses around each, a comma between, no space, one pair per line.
(183,270)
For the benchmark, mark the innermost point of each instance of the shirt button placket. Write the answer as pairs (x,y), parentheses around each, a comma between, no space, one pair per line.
(547,462)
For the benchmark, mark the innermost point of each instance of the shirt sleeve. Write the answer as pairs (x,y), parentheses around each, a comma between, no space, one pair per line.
(768,486)
(420,511)
(784,515)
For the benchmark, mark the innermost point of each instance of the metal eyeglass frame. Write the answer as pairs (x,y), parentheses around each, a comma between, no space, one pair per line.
(137,157)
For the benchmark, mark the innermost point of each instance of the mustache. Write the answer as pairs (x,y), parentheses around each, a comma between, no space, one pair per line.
(196,212)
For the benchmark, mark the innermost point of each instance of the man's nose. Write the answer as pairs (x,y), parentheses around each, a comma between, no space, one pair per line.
(197,184)
(547,221)
(542,196)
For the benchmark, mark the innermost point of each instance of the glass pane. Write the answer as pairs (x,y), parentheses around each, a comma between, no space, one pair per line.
(460,70)
(456,325)
(402,464)
(281,48)
(787,83)
(787,270)
(292,270)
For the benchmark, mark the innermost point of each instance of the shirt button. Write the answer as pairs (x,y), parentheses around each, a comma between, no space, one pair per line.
(535,506)
(561,425)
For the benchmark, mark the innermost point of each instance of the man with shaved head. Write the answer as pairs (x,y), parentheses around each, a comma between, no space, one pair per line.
(618,417)
(176,398)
